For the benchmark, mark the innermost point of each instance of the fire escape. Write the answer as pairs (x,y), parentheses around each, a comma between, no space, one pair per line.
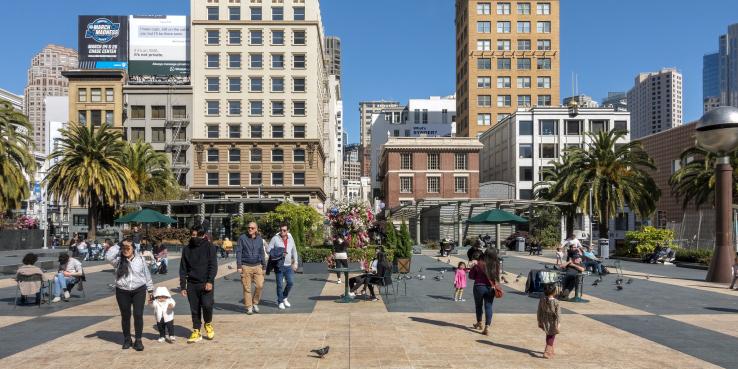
(178,142)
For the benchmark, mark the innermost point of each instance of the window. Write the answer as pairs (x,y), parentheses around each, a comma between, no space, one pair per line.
(544,100)
(299,131)
(406,184)
(503,8)
(256,178)
(503,82)
(277,155)
(234,107)
(434,184)
(298,155)
(544,63)
(299,37)
(526,194)
(543,45)
(277,37)
(299,178)
(524,100)
(256,108)
(277,84)
(277,61)
(138,134)
(109,96)
(524,63)
(82,95)
(82,116)
(502,116)
(213,107)
(484,63)
(460,161)
(212,179)
(484,119)
(158,112)
(504,64)
(234,84)
(79,220)
(234,131)
(213,131)
(503,45)
(277,13)
(257,60)
(484,27)
(434,161)
(484,8)
(503,27)
(234,179)
(298,13)
(484,82)
(95,95)
(526,173)
(213,13)
(213,37)
(277,179)
(277,131)
(525,151)
(109,118)
(525,127)
(621,125)
(573,127)
(621,222)
(523,8)
(256,37)
(213,155)
(549,127)
(213,84)
(523,82)
(234,13)
(543,8)
(234,60)
(298,61)
(138,112)
(277,107)
(234,155)
(425,116)
(548,151)
(256,131)
(213,60)
(255,155)
(484,100)
(255,84)
(524,27)
(597,126)
(461,184)
(298,84)
(256,13)
(543,27)
(543,82)
(234,37)
(484,45)
(406,161)
(524,45)
(504,100)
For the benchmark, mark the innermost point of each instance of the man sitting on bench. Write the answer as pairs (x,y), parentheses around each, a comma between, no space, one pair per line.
(591,261)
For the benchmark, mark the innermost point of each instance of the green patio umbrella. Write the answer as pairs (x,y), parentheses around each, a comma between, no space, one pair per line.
(497,217)
(145,216)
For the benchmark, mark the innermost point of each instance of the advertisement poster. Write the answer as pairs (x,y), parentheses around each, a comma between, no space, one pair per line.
(159,48)
(103,41)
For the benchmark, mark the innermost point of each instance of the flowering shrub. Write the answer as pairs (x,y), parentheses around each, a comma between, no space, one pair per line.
(26,222)
(351,221)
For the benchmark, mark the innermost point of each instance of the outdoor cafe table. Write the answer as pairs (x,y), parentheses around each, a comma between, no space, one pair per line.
(346,297)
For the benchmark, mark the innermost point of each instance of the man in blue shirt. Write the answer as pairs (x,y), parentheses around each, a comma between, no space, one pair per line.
(250,264)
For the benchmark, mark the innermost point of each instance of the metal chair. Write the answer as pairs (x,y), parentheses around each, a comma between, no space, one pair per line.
(28,279)
(384,282)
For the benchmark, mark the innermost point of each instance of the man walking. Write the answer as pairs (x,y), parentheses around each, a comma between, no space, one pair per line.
(250,264)
(283,258)
(197,270)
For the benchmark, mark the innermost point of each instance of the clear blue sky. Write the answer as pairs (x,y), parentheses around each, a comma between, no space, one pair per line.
(403,49)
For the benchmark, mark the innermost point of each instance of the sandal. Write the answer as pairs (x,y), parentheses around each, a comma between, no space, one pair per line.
(477,325)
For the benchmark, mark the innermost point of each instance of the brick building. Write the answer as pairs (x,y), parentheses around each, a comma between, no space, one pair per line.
(414,168)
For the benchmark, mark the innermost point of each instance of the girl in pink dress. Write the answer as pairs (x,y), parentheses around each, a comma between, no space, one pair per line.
(460,281)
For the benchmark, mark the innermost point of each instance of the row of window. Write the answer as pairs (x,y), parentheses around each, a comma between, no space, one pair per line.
(158,134)
(95,95)
(520,63)
(521,82)
(96,117)
(256,13)
(256,179)
(505,8)
(506,26)
(521,45)
(256,61)
(433,184)
(572,127)
(255,108)
(256,37)
(234,130)
(255,155)
(158,112)
(433,161)
(255,84)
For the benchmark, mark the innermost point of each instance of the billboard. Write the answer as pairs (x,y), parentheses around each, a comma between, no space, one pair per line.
(103,41)
(159,48)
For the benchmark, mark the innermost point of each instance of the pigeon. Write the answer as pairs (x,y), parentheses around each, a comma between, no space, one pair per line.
(596,282)
(420,270)
(648,276)
(226,278)
(448,261)
(630,280)
(520,275)
(504,279)
(438,277)
(443,271)
(230,267)
(321,352)
(619,281)
(517,280)
(619,287)
(422,278)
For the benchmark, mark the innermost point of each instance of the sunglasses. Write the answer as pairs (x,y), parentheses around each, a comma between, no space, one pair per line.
(252,227)
(283,230)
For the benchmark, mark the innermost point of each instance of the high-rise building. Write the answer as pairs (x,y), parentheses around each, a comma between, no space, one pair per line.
(15,100)
(366,109)
(507,56)
(710,75)
(259,69)
(720,71)
(45,79)
(351,163)
(655,102)
(583,101)
(617,100)
(710,103)
(333,55)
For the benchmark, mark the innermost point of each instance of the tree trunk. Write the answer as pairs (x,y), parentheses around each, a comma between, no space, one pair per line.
(570,221)
(92,214)
(604,221)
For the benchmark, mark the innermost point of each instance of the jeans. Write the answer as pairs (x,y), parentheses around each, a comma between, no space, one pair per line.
(483,298)
(165,327)
(341,263)
(126,299)
(286,272)
(249,274)
(61,282)
(201,304)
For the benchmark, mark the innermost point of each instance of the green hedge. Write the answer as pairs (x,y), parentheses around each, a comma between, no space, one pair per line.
(701,256)
(319,254)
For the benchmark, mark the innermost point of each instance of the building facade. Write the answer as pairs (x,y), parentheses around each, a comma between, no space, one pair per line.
(260,100)
(415,168)
(710,103)
(615,100)
(333,55)
(351,163)
(711,76)
(96,96)
(15,100)
(507,56)
(582,101)
(45,79)
(655,102)
(366,110)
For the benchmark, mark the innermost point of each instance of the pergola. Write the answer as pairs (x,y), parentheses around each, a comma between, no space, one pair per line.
(415,210)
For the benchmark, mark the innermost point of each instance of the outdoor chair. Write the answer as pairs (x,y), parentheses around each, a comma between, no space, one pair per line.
(20,279)
(79,283)
(385,282)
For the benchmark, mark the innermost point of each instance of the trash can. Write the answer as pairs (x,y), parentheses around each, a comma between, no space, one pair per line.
(604,248)
(520,243)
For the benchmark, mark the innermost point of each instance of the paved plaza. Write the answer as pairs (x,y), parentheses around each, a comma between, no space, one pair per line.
(667,317)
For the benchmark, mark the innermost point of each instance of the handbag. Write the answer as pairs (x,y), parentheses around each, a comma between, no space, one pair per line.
(498,291)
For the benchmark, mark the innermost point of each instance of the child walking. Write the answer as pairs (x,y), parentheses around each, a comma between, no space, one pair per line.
(548,317)
(460,281)
(163,304)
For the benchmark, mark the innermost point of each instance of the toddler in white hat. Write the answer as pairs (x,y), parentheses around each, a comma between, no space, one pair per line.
(163,305)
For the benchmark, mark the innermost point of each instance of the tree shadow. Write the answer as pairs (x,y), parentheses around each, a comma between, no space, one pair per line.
(721,309)
(441,323)
(532,353)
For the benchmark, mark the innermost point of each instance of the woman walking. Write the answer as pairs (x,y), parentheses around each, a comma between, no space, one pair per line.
(486,274)
(132,285)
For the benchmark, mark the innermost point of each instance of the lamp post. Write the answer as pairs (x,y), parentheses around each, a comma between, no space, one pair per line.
(591,217)
(717,132)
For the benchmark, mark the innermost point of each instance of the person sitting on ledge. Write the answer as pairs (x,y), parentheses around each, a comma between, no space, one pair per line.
(572,269)
(70,272)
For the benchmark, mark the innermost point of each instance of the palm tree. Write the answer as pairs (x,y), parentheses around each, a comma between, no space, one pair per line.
(694,181)
(615,172)
(16,159)
(91,165)
(151,170)
(550,189)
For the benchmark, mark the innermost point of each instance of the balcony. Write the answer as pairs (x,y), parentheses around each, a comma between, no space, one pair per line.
(182,121)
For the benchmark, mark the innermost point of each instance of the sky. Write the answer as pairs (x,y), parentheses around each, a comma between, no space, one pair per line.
(402,49)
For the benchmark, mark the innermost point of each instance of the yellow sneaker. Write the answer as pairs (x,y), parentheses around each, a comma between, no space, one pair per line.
(195,336)
(209,331)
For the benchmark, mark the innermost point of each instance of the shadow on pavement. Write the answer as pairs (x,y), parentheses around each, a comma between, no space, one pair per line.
(437,297)
(532,353)
(441,323)
(722,310)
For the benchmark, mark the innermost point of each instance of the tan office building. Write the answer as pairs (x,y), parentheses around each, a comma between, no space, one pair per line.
(366,109)
(507,56)
(96,96)
(260,99)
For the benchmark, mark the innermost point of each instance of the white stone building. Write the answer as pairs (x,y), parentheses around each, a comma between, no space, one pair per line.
(655,102)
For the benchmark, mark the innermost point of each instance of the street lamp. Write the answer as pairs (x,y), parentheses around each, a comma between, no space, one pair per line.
(717,132)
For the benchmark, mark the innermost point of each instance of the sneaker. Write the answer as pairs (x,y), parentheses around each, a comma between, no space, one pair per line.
(287,303)
(56,299)
(138,345)
(373,299)
(462,300)
(195,336)
(66,295)
(209,331)
(256,308)
(338,281)
(352,295)
(249,311)
(281,306)
(161,340)
(171,339)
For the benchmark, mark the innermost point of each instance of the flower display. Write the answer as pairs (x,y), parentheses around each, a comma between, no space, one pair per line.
(352,221)
(26,222)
